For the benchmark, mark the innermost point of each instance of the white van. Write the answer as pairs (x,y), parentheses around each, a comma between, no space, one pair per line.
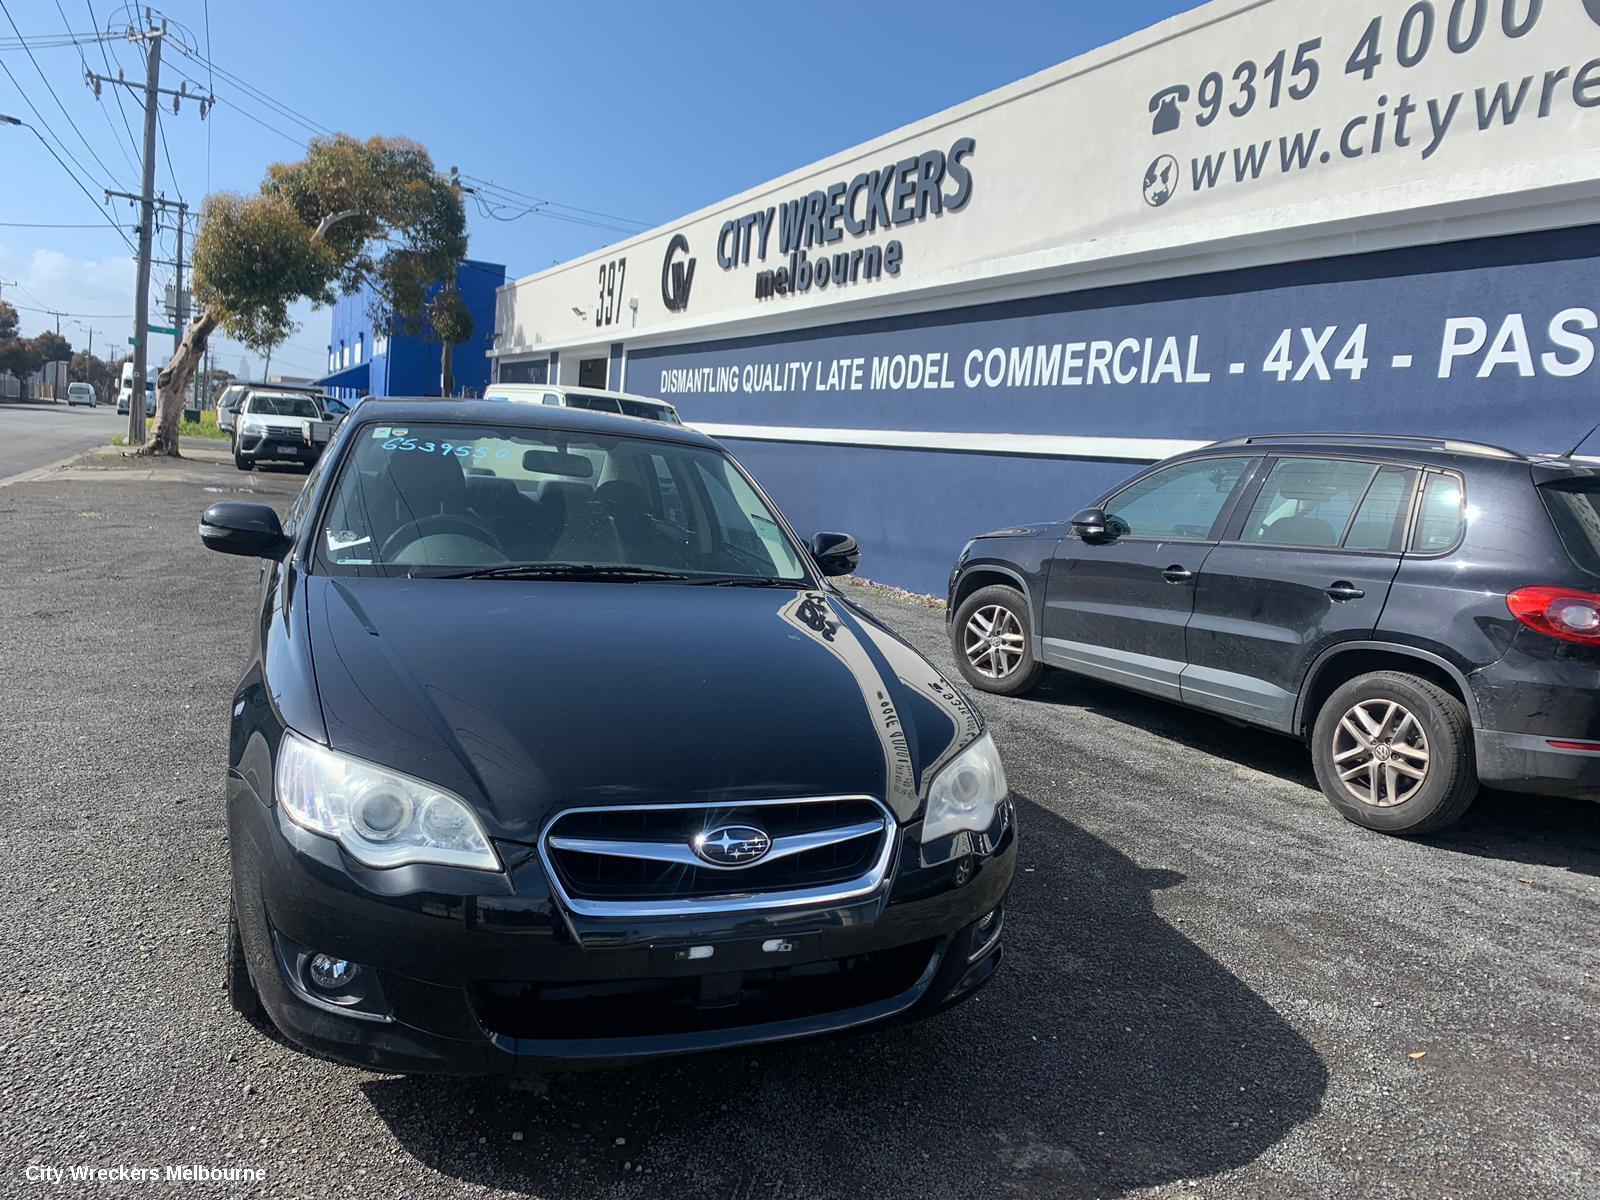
(646,407)
(80,393)
(125,387)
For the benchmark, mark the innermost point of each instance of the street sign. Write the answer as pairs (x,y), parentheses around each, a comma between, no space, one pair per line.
(133,341)
(167,329)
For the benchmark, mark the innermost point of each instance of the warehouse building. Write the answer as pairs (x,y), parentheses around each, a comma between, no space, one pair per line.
(1258,216)
(371,353)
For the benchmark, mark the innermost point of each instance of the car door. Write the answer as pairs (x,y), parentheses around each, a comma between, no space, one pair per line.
(1115,607)
(1307,561)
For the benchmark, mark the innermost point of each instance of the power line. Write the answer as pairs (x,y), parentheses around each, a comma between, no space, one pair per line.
(543,204)
(50,225)
(82,58)
(167,154)
(80,316)
(495,206)
(116,93)
(109,174)
(211,90)
(67,169)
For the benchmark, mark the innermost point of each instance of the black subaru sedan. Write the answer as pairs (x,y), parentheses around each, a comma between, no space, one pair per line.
(557,748)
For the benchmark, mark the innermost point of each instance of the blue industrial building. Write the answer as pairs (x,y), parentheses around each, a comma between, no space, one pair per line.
(366,359)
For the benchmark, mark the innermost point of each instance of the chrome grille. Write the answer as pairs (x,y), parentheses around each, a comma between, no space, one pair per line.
(652,860)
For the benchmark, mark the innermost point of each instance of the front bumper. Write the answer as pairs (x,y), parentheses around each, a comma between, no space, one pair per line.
(278,447)
(481,973)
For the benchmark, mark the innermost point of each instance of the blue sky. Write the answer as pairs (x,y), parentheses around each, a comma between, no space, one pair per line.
(638,111)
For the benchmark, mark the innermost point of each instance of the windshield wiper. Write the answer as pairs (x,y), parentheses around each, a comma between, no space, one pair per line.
(754,581)
(561,571)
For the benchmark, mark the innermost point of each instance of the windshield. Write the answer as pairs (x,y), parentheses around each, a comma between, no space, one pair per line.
(452,499)
(282,404)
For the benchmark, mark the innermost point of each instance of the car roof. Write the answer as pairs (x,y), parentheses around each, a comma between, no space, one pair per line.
(523,416)
(1431,451)
(568,389)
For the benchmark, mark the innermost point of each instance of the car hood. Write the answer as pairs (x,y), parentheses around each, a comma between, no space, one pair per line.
(528,696)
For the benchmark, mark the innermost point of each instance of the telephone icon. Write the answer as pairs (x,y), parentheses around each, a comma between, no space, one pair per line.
(1164,104)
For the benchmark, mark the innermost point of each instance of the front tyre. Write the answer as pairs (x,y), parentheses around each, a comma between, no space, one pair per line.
(1393,753)
(990,639)
(239,460)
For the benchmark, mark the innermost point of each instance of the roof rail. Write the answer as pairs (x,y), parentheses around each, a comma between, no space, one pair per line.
(1454,445)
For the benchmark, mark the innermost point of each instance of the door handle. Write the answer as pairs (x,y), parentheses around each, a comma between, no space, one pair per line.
(1177,574)
(1343,590)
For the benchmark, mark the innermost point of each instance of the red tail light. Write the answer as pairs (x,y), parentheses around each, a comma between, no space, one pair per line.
(1563,613)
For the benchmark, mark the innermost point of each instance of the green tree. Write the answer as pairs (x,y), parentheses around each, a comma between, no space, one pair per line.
(52,347)
(19,356)
(347,213)
(91,369)
(452,325)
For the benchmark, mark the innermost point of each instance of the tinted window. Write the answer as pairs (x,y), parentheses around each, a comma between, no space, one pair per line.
(650,412)
(1575,508)
(1380,522)
(1180,503)
(282,404)
(1307,501)
(593,403)
(1440,517)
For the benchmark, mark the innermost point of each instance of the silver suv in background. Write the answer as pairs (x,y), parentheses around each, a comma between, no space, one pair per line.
(594,399)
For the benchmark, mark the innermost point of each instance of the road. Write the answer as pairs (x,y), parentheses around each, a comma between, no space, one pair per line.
(1213,985)
(35,435)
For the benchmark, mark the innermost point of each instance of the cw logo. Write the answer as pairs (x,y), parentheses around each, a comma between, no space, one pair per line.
(678,277)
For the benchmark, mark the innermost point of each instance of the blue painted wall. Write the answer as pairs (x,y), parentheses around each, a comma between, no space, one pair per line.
(1518,368)
(411,365)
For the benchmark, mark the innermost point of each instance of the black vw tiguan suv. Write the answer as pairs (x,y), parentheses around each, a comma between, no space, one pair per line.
(1425,613)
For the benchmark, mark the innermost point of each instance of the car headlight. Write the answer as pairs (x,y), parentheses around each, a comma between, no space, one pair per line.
(252,427)
(966,792)
(381,818)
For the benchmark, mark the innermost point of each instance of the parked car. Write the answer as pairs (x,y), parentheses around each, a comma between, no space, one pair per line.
(81,393)
(555,746)
(231,397)
(1424,613)
(149,399)
(623,403)
(279,425)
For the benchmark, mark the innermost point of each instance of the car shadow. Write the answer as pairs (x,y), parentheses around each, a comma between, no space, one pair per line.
(1535,830)
(1109,1053)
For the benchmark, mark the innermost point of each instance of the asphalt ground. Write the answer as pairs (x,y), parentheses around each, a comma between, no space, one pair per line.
(36,435)
(1214,986)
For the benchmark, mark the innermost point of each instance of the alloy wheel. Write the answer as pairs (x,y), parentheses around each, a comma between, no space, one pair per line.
(1380,753)
(993,641)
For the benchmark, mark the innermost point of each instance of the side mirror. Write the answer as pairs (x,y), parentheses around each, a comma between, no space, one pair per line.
(1089,524)
(235,527)
(836,553)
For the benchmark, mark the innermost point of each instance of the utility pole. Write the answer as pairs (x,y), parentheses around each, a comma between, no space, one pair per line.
(180,310)
(151,35)
(147,190)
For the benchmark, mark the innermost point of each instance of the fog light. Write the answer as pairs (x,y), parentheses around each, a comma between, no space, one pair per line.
(330,974)
(986,932)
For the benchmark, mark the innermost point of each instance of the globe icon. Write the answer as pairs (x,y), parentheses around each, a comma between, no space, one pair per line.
(1160,181)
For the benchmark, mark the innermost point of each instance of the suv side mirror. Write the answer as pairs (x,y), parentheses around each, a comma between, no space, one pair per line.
(1089,524)
(836,553)
(252,530)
